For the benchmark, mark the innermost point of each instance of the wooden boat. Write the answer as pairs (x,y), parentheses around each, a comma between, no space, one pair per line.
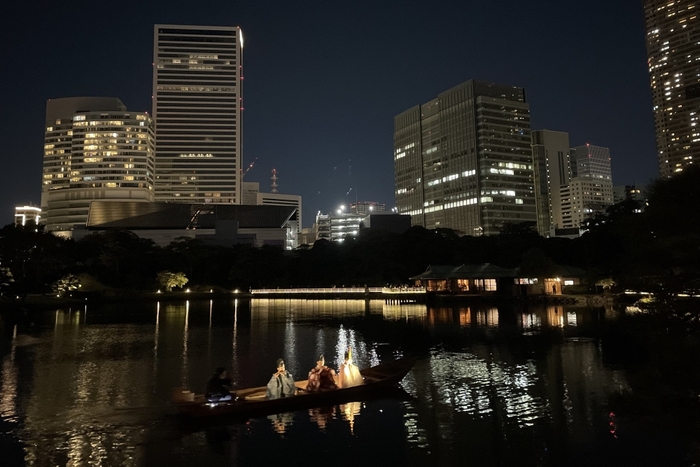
(251,402)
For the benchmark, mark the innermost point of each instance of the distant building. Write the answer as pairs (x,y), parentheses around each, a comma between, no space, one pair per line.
(93,149)
(307,236)
(197,105)
(387,222)
(218,224)
(463,161)
(489,279)
(590,189)
(249,192)
(550,150)
(339,226)
(636,192)
(367,207)
(673,52)
(251,195)
(322,227)
(24,214)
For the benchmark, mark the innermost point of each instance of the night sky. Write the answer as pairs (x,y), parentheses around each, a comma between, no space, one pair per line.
(324,79)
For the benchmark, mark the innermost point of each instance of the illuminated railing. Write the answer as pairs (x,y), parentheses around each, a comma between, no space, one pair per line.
(341,290)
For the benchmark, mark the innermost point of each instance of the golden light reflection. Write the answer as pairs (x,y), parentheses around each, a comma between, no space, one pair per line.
(349,411)
(184,344)
(488,318)
(440,316)
(465,316)
(322,416)
(8,395)
(281,421)
(234,339)
(555,316)
(404,311)
(155,343)
(265,309)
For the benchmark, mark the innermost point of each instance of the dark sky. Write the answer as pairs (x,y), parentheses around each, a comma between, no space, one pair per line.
(324,79)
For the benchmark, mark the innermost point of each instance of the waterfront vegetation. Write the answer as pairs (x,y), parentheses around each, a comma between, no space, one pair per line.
(657,250)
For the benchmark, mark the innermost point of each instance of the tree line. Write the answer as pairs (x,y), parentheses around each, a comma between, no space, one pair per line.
(656,249)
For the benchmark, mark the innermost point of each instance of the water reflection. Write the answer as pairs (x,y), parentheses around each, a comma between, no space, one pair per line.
(512,389)
(404,311)
(8,385)
(281,422)
(349,411)
(322,416)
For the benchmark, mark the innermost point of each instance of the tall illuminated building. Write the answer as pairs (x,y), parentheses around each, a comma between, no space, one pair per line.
(673,48)
(550,150)
(94,149)
(463,161)
(197,104)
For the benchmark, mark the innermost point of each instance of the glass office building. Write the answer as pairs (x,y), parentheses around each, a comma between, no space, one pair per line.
(463,161)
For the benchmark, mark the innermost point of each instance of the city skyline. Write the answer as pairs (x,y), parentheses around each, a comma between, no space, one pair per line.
(323,84)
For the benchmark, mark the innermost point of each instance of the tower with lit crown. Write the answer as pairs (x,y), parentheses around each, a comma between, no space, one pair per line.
(197,105)
(673,49)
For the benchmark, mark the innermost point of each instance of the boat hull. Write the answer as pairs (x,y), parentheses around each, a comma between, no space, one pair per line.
(248,403)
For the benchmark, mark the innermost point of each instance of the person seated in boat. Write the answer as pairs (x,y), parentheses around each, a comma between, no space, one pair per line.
(219,386)
(321,378)
(348,373)
(281,384)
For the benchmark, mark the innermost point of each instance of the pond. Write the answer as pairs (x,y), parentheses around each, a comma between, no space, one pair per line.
(506,385)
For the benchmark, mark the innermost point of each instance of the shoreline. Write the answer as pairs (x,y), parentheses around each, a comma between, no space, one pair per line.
(46,302)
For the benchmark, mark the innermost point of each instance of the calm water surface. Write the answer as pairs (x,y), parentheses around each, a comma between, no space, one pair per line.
(493,386)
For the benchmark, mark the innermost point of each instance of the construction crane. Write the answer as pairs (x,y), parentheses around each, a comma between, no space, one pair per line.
(248,168)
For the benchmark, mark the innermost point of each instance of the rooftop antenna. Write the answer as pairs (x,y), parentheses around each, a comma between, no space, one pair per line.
(274,181)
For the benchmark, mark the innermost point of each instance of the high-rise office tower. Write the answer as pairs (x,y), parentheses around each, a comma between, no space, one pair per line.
(550,151)
(590,190)
(463,161)
(94,149)
(197,104)
(673,48)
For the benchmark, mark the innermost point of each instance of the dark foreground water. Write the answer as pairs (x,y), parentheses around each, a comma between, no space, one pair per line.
(493,386)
